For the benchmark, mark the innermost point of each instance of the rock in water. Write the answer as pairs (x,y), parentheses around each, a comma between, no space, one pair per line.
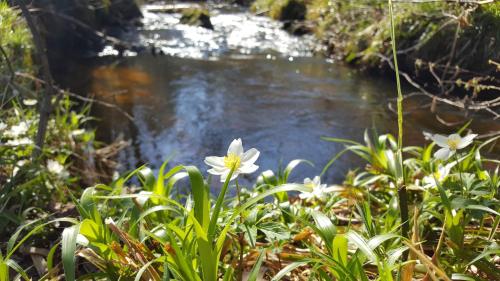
(196,17)
(293,10)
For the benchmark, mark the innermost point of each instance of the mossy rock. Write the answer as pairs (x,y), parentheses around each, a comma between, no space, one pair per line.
(196,17)
(283,10)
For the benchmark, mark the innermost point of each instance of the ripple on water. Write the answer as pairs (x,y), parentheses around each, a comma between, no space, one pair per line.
(240,33)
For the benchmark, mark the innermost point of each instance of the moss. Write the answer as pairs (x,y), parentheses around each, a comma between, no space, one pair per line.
(197,17)
(283,10)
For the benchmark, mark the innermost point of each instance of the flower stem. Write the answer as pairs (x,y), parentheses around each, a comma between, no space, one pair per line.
(400,184)
(218,206)
(241,236)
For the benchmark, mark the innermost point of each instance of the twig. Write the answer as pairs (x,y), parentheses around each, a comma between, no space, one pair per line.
(458,104)
(64,92)
(110,39)
(9,64)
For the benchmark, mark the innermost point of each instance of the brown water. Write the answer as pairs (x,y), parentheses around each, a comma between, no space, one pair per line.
(247,79)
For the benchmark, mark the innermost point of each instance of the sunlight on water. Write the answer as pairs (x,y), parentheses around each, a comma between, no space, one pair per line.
(240,33)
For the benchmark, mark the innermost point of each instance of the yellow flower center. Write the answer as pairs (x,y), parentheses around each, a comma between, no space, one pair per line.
(309,185)
(453,143)
(232,160)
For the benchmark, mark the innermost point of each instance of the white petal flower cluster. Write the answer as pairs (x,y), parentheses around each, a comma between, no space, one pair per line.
(438,177)
(318,191)
(17,130)
(18,142)
(242,162)
(449,144)
(56,168)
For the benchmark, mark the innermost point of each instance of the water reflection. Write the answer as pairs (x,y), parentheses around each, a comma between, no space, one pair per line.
(191,107)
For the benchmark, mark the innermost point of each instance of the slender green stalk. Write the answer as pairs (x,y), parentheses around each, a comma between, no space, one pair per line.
(241,236)
(218,206)
(403,197)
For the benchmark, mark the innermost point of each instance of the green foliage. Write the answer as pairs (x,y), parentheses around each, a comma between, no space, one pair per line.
(30,185)
(16,40)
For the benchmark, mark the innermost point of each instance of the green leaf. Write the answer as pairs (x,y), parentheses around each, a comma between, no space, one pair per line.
(14,265)
(68,244)
(288,269)
(460,276)
(325,228)
(252,201)
(362,245)
(482,208)
(254,273)
(289,168)
(340,249)
(376,241)
(201,196)
(274,231)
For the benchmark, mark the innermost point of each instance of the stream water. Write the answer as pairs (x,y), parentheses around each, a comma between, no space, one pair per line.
(246,79)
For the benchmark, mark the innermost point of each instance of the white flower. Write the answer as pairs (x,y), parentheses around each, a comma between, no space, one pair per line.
(29,102)
(18,165)
(17,130)
(449,144)
(56,168)
(242,162)
(78,132)
(143,197)
(432,181)
(2,126)
(18,142)
(318,190)
(82,240)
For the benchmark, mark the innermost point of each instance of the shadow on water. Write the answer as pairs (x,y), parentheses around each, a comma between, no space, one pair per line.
(191,107)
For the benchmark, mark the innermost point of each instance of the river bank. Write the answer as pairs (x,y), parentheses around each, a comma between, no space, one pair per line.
(448,49)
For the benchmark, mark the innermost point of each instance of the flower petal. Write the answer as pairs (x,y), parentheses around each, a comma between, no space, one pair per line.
(427,135)
(443,153)
(215,161)
(217,171)
(317,181)
(250,156)
(465,141)
(236,147)
(440,140)
(248,169)
(223,177)
(305,195)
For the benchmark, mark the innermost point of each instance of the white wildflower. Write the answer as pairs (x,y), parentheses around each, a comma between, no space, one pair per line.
(438,177)
(318,190)
(449,144)
(242,162)
(19,142)
(29,102)
(56,168)
(17,130)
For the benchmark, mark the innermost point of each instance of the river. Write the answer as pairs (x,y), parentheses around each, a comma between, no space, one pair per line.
(246,79)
